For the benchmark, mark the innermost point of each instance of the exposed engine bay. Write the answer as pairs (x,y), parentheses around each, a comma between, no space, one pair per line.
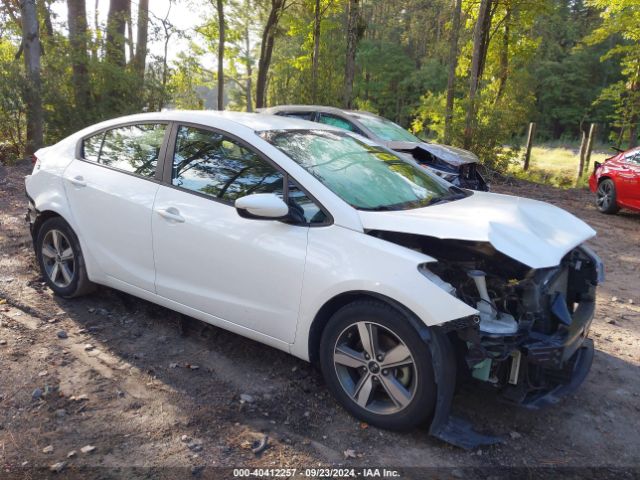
(464,175)
(529,339)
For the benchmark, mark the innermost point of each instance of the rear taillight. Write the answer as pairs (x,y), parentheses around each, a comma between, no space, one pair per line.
(35,161)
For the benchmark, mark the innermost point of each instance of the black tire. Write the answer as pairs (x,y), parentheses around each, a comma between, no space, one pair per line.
(606,197)
(387,323)
(79,283)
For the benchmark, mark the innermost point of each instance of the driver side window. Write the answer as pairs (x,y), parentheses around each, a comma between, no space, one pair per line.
(216,165)
(209,162)
(303,210)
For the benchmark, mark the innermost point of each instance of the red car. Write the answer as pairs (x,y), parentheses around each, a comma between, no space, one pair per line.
(616,182)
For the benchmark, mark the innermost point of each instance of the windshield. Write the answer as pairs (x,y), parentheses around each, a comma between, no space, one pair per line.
(367,177)
(386,129)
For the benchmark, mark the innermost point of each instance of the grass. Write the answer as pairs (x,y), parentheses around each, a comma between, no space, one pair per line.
(557,165)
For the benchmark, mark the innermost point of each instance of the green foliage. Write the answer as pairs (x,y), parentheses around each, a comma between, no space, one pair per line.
(556,165)
(12,120)
(621,20)
(504,103)
(560,63)
(187,80)
(569,73)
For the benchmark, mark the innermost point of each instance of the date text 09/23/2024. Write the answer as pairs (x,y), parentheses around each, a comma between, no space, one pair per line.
(317,472)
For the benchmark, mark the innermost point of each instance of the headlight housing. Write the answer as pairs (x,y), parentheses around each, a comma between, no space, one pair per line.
(423,268)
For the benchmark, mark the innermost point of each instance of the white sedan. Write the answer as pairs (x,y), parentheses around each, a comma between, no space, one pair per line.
(320,243)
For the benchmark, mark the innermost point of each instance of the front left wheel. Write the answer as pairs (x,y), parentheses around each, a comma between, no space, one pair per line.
(60,258)
(377,366)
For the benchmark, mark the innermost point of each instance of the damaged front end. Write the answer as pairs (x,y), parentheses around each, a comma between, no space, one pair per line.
(529,340)
(463,173)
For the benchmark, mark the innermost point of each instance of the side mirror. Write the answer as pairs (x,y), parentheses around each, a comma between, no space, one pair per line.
(265,206)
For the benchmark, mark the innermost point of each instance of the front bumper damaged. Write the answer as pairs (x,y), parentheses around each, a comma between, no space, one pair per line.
(548,358)
(573,373)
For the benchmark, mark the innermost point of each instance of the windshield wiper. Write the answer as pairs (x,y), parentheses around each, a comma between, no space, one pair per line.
(380,208)
(448,198)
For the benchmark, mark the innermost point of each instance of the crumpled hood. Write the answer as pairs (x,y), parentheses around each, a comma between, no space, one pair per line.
(453,155)
(535,233)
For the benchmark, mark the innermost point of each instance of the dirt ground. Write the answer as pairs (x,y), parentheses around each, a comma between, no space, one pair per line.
(161,398)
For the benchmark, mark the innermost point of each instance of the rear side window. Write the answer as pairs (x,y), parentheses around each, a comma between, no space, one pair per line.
(633,158)
(335,121)
(92,146)
(300,115)
(214,164)
(133,148)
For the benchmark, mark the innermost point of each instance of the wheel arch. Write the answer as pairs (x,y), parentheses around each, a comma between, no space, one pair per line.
(41,217)
(606,177)
(334,304)
(442,353)
(50,211)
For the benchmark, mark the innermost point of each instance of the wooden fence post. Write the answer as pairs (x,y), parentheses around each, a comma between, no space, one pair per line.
(583,149)
(586,147)
(590,140)
(527,155)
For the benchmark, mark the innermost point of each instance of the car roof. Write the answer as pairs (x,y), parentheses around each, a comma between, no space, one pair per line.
(318,108)
(253,121)
(304,108)
(631,152)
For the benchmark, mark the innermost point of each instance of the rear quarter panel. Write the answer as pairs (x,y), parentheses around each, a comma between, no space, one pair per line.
(45,187)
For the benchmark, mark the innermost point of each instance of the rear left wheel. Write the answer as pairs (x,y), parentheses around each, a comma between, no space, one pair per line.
(377,366)
(60,258)
(606,197)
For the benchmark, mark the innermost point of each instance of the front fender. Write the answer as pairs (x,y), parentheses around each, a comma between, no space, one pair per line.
(340,260)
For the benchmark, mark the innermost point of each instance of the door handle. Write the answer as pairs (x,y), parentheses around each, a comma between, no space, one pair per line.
(78,181)
(170,213)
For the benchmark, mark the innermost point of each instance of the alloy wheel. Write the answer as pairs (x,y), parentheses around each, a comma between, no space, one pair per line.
(375,368)
(604,195)
(58,258)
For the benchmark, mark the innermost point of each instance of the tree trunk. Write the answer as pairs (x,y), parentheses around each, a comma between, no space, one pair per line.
(453,64)
(486,35)
(95,45)
(119,11)
(316,52)
(220,8)
(77,18)
(168,32)
(140,58)
(165,67)
(480,41)
(353,23)
(247,62)
(504,56)
(266,50)
(635,107)
(46,14)
(32,53)
(130,36)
